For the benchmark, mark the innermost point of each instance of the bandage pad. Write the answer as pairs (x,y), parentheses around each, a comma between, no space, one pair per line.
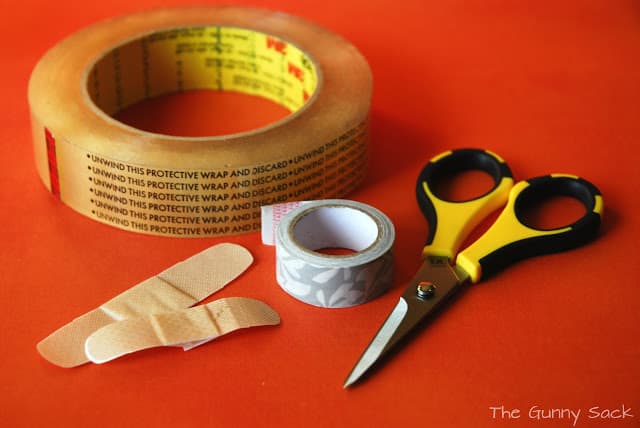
(179,287)
(178,328)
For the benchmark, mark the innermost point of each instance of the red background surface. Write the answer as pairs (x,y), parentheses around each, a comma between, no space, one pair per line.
(551,86)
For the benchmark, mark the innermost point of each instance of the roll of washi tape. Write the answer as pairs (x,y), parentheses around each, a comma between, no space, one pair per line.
(334,281)
(193,186)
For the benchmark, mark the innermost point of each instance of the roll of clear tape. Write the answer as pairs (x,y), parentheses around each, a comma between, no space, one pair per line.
(335,281)
(198,186)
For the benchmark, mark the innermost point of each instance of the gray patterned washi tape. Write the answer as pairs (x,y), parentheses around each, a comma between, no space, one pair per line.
(335,281)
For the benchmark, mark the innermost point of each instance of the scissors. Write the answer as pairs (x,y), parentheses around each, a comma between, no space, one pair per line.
(508,240)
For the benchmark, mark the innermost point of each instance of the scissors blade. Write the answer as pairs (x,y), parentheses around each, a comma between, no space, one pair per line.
(421,299)
(380,344)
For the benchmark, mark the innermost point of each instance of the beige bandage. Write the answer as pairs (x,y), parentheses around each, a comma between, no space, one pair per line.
(178,328)
(181,286)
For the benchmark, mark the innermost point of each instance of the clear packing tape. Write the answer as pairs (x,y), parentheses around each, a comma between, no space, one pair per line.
(199,186)
(177,288)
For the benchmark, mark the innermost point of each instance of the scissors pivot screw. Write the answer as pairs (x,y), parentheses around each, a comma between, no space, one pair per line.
(425,290)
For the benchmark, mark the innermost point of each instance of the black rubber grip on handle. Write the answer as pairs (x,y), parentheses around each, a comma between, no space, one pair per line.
(459,160)
(580,232)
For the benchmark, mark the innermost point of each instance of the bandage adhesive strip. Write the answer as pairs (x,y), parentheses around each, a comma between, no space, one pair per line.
(178,287)
(334,281)
(198,186)
(199,324)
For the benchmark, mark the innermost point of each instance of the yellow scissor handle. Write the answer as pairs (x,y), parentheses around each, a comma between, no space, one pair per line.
(451,221)
(510,239)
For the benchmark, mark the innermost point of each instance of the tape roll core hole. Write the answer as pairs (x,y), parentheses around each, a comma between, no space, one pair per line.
(147,82)
(328,230)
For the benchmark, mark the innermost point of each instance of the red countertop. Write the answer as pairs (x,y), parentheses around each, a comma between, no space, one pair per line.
(550,86)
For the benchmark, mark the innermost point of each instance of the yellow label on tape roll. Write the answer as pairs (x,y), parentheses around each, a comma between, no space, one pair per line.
(199,186)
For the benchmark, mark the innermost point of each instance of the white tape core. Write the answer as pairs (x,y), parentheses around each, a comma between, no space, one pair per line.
(335,227)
